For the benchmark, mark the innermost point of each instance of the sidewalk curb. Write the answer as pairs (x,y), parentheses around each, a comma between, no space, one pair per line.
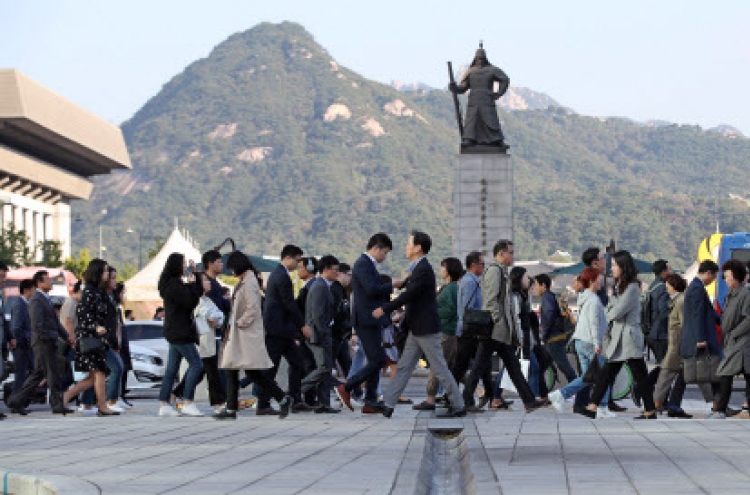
(18,483)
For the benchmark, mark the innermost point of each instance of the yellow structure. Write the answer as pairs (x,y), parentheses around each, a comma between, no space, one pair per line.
(708,249)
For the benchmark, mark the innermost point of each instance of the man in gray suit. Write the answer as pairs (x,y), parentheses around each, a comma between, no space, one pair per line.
(319,315)
(45,330)
(20,343)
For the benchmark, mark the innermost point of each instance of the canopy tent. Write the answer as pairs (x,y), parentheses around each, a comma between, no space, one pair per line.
(142,290)
(642,266)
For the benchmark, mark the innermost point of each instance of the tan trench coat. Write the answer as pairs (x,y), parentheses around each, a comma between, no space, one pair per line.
(672,359)
(244,346)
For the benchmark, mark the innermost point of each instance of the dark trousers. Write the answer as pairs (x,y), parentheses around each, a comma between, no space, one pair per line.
(319,379)
(371,340)
(640,376)
(342,355)
(466,351)
(259,377)
(483,362)
(308,366)
(45,366)
(216,394)
(277,348)
(23,360)
(560,356)
(725,392)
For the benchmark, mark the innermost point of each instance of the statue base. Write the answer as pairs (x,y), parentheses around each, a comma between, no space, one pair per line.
(481,149)
(483,202)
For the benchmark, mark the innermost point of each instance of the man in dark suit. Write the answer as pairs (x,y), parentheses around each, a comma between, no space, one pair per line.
(5,337)
(45,330)
(319,315)
(368,293)
(422,322)
(282,321)
(20,329)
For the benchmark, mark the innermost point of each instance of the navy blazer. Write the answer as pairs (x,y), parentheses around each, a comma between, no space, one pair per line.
(368,294)
(319,311)
(281,315)
(420,298)
(20,323)
(699,321)
(45,325)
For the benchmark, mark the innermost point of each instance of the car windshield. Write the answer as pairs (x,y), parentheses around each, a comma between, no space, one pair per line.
(145,332)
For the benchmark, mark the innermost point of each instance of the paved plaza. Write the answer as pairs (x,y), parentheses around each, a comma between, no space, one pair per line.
(509,452)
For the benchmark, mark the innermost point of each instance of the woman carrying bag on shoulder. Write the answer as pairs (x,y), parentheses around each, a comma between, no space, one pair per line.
(624,342)
(244,346)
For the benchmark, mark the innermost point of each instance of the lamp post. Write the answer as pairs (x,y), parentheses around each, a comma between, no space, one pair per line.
(140,244)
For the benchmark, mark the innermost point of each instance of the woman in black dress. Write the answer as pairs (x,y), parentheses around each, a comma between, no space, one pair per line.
(92,317)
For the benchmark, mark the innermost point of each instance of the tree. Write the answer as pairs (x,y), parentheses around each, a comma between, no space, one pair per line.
(127,271)
(51,253)
(78,264)
(153,251)
(14,247)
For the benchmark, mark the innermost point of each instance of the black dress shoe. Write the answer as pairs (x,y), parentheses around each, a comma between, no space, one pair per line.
(285,406)
(643,416)
(22,411)
(537,404)
(588,414)
(386,411)
(734,412)
(303,407)
(474,410)
(454,413)
(424,406)
(2,416)
(224,414)
(615,407)
(327,410)
(63,411)
(107,413)
(268,411)
(678,413)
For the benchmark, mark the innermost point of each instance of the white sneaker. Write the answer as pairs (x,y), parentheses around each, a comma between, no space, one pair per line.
(191,410)
(122,405)
(115,408)
(168,411)
(557,400)
(88,412)
(604,413)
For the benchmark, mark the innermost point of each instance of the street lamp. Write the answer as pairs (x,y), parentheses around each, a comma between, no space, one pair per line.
(140,244)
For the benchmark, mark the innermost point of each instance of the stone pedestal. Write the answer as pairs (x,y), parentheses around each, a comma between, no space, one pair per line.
(483,203)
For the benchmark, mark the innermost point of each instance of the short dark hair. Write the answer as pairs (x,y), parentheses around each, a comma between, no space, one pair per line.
(3,267)
(158,310)
(209,257)
(327,261)
(543,279)
(39,277)
(239,263)
(590,255)
(291,251)
(77,287)
(473,258)
(516,278)
(310,264)
(501,245)
(380,240)
(659,266)
(26,285)
(453,267)
(738,269)
(708,266)
(95,271)
(677,282)
(422,240)
(344,268)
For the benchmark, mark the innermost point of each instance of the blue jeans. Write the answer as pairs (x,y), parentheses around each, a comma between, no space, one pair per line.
(586,355)
(358,362)
(195,366)
(114,380)
(534,374)
(557,351)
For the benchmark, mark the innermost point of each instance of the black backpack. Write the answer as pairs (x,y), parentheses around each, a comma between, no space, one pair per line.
(646,305)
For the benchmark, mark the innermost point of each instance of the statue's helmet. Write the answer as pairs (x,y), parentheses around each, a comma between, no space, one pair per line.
(480,57)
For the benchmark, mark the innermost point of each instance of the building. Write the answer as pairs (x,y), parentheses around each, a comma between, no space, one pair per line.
(49,150)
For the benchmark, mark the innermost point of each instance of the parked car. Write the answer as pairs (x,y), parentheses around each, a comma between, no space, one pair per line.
(148,368)
(148,334)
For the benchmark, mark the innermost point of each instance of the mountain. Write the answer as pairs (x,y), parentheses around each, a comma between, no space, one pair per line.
(269,140)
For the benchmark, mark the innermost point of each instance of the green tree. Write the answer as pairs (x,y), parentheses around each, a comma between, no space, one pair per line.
(78,263)
(52,253)
(14,247)
(153,251)
(127,271)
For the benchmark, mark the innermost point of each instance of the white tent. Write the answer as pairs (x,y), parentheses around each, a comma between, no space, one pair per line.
(143,286)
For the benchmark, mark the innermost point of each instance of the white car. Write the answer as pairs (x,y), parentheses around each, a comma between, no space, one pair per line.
(148,368)
(148,334)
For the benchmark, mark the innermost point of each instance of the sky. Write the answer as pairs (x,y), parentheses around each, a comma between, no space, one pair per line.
(682,61)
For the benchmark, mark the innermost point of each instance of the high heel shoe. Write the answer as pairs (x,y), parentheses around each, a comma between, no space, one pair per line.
(107,413)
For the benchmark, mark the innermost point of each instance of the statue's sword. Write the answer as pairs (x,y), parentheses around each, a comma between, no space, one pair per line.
(456,104)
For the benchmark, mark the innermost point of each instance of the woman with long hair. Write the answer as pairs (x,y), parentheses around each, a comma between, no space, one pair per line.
(180,299)
(624,343)
(91,333)
(244,346)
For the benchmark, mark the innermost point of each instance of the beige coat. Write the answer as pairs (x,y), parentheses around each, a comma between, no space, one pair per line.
(672,360)
(498,301)
(244,346)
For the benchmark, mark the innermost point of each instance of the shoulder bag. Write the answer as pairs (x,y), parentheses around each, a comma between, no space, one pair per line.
(478,323)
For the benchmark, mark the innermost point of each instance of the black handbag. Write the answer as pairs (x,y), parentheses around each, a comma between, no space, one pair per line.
(701,368)
(478,323)
(88,345)
(592,371)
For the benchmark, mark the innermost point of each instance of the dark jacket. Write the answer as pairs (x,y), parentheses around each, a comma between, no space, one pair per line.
(45,325)
(302,296)
(447,303)
(113,321)
(216,294)
(319,311)
(368,294)
(659,311)
(699,322)
(550,316)
(20,323)
(281,315)
(342,322)
(180,300)
(421,316)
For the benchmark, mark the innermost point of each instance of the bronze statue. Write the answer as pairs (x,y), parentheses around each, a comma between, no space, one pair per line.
(481,126)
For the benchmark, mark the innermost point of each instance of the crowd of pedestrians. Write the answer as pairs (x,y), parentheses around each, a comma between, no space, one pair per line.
(482,310)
